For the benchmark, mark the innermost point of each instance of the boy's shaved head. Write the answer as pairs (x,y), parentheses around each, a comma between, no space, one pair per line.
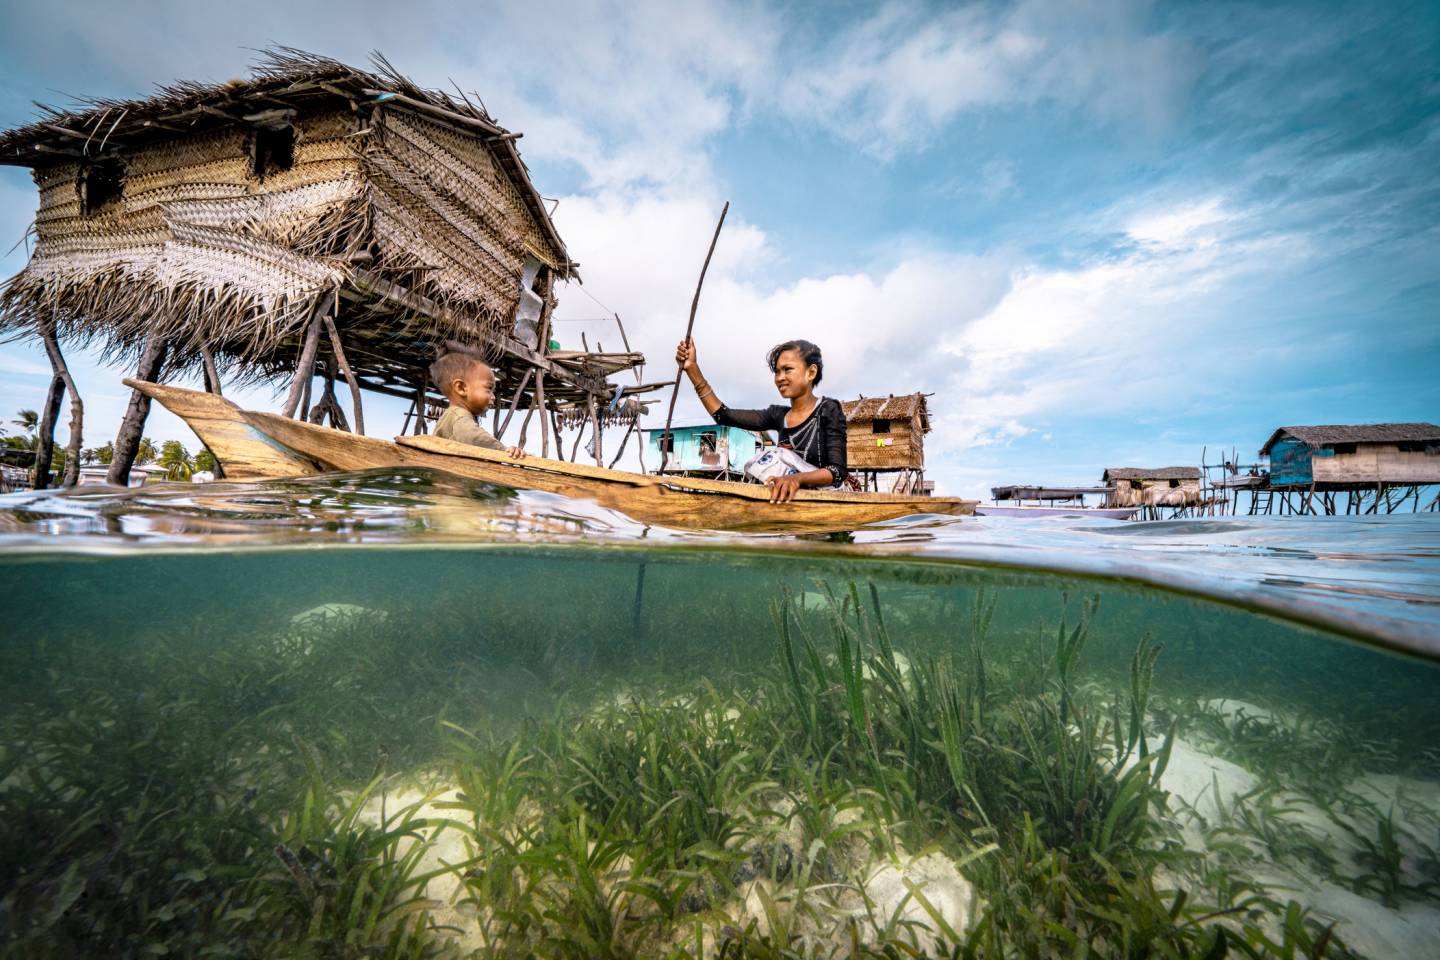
(455,366)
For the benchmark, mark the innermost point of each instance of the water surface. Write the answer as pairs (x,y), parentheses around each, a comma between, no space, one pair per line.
(382,714)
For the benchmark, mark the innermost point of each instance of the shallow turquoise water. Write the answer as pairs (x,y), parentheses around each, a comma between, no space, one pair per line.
(184,666)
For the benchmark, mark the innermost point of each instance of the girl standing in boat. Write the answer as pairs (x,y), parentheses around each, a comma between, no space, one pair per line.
(812,428)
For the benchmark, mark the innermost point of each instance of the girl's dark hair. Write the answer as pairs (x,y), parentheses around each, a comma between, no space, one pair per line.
(809,353)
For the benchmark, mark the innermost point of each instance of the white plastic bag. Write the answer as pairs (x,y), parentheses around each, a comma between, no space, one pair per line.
(775,462)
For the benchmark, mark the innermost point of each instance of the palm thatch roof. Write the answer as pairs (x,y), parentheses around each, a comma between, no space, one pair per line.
(1319,436)
(891,407)
(408,210)
(1151,473)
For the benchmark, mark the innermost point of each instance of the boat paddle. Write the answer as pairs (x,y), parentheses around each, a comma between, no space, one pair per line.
(667,442)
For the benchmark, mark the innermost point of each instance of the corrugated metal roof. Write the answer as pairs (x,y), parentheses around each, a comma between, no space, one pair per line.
(1318,436)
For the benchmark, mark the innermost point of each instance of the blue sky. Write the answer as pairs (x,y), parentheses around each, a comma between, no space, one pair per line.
(1102,234)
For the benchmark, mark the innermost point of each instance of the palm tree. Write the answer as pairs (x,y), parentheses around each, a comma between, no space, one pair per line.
(204,460)
(106,453)
(145,452)
(176,461)
(26,420)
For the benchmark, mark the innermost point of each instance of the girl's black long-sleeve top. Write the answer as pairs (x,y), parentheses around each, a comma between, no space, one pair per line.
(819,439)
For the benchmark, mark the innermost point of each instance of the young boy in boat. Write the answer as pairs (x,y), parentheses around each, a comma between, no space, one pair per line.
(811,429)
(469,384)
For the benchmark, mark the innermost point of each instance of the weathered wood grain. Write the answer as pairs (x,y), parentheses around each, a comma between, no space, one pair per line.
(245,453)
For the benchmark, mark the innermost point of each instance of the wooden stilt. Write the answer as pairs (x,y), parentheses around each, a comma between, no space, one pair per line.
(212,378)
(421,427)
(624,442)
(306,367)
(329,406)
(45,433)
(514,402)
(559,437)
(542,346)
(525,425)
(598,434)
(540,405)
(77,408)
(127,440)
(212,385)
(340,359)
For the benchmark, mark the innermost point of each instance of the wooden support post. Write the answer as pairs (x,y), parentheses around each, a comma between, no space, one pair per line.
(514,402)
(212,378)
(559,442)
(77,408)
(540,405)
(304,412)
(45,433)
(525,425)
(340,359)
(306,367)
(598,434)
(212,385)
(127,440)
(624,441)
(421,428)
(542,346)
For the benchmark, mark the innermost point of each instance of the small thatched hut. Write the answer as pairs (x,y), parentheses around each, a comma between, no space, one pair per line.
(887,435)
(1335,457)
(1152,487)
(312,218)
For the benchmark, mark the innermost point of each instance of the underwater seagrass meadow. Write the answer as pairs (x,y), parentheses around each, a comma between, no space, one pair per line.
(505,750)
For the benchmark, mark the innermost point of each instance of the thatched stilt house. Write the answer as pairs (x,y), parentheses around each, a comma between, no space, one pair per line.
(310,219)
(886,435)
(1152,486)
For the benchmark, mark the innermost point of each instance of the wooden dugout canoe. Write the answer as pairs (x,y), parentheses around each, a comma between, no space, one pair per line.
(262,446)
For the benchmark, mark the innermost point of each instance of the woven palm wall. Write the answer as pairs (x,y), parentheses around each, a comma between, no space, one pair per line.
(903,447)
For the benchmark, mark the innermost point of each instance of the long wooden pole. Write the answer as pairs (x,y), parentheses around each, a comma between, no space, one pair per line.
(689,329)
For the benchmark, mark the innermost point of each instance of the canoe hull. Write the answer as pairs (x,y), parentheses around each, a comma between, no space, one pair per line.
(268,446)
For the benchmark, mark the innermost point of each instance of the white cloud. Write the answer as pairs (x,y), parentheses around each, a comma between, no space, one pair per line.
(1173,227)
(890,82)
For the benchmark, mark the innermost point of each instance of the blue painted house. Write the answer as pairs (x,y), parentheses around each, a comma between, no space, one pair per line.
(1338,456)
(707,450)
